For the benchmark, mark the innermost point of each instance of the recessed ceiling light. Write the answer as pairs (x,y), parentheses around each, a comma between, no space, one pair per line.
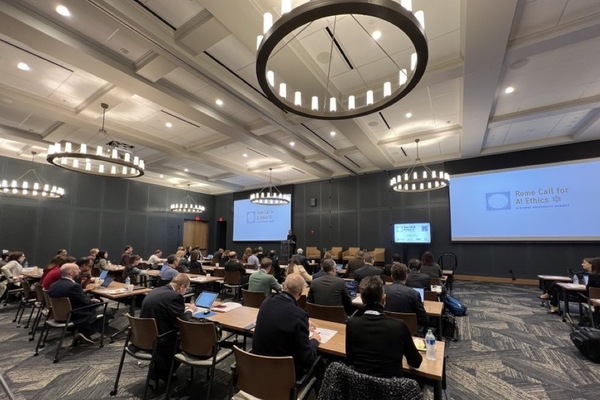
(219,102)
(509,90)
(245,155)
(376,35)
(186,170)
(169,125)
(332,133)
(408,115)
(161,176)
(64,11)
(23,66)
(292,144)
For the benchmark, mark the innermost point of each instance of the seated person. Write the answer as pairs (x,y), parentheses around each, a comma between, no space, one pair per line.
(330,290)
(85,279)
(101,262)
(294,267)
(354,264)
(401,298)
(233,265)
(368,269)
(195,264)
(156,259)
(11,271)
(52,271)
(429,266)
(282,328)
(182,262)
(387,270)
(86,320)
(132,271)
(591,267)
(262,281)
(415,278)
(376,343)
(277,271)
(168,270)
(253,261)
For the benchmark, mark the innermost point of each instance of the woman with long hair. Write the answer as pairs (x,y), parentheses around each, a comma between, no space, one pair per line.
(429,266)
(294,267)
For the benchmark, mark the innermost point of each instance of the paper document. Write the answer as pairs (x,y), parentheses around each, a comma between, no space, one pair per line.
(325,334)
(224,307)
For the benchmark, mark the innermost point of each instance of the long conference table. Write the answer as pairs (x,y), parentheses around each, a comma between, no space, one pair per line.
(242,320)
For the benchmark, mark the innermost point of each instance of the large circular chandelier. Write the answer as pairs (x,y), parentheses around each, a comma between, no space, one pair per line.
(113,159)
(187,205)
(331,104)
(424,180)
(31,185)
(270,195)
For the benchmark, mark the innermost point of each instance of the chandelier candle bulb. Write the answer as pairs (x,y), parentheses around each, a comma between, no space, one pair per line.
(369,97)
(407,4)
(332,104)
(127,157)
(259,39)
(413,61)
(403,77)
(298,98)
(286,6)
(283,90)
(387,89)
(267,22)
(68,147)
(315,103)
(351,102)
(113,170)
(99,151)
(83,148)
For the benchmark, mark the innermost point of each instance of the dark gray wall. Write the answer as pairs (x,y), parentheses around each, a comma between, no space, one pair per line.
(107,213)
(360,211)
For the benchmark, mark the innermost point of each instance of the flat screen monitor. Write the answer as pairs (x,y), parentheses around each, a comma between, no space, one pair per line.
(549,202)
(418,232)
(256,223)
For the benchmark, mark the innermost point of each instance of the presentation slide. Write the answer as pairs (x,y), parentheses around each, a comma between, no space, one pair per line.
(259,223)
(551,202)
(412,233)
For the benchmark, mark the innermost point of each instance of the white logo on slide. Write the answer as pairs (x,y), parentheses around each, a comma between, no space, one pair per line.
(497,201)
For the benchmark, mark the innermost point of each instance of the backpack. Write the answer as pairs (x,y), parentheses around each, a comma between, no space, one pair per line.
(449,328)
(455,306)
(587,340)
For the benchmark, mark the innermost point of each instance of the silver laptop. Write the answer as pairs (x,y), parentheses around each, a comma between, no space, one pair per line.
(204,304)
(421,292)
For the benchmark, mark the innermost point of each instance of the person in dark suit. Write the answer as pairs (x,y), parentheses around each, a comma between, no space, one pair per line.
(376,343)
(367,270)
(329,290)
(277,271)
(415,278)
(354,264)
(387,270)
(292,239)
(234,265)
(282,328)
(165,304)
(401,298)
(85,320)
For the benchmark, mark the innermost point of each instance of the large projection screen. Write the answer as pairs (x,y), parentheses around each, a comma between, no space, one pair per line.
(551,202)
(260,223)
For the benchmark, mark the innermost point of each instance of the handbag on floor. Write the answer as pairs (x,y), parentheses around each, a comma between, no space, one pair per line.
(455,306)
(587,340)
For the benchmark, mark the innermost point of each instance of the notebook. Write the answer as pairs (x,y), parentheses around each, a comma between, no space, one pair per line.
(204,303)
(107,281)
(421,292)
(103,274)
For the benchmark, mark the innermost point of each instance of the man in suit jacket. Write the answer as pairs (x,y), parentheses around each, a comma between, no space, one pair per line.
(262,281)
(387,270)
(415,278)
(282,327)
(401,298)
(376,343)
(234,265)
(329,290)
(85,319)
(354,264)
(368,269)
(165,304)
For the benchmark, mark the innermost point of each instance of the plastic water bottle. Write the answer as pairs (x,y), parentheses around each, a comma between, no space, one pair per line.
(128,281)
(575,279)
(430,345)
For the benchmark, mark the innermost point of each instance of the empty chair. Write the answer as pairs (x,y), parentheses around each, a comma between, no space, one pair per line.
(350,253)
(26,301)
(252,299)
(327,313)
(409,318)
(336,253)
(199,348)
(232,280)
(143,335)
(343,383)
(251,369)
(312,253)
(61,319)
(586,308)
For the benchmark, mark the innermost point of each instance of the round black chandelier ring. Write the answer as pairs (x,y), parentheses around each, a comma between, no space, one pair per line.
(56,158)
(386,10)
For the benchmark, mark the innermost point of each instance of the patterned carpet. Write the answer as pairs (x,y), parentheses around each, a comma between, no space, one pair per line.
(509,348)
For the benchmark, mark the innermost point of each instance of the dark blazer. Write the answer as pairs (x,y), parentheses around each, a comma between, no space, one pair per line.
(353,265)
(282,330)
(67,288)
(195,266)
(376,343)
(400,298)
(329,290)
(418,280)
(367,270)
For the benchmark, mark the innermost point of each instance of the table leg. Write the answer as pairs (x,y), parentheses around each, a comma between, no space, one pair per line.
(567,313)
(439,328)
(437,390)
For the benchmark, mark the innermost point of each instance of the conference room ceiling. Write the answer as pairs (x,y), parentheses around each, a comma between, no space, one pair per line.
(156,62)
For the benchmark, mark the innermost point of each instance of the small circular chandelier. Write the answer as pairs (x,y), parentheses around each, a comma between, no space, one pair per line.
(34,187)
(188,205)
(270,195)
(413,181)
(115,159)
(330,103)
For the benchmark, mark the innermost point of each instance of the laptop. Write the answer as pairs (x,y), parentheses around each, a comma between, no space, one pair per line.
(103,274)
(209,257)
(204,303)
(352,287)
(421,292)
(339,266)
(106,282)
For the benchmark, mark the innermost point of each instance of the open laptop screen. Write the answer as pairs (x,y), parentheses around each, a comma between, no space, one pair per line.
(421,292)
(103,274)
(206,300)
(107,281)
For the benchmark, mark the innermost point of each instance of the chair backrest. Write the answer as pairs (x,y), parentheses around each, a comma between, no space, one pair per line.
(351,252)
(61,308)
(430,296)
(409,318)
(594,293)
(194,270)
(198,339)
(327,313)
(252,299)
(219,272)
(39,293)
(47,299)
(143,332)
(251,370)
(336,252)
(302,302)
(232,277)
(343,383)
(435,281)
(448,260)
(26,290)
